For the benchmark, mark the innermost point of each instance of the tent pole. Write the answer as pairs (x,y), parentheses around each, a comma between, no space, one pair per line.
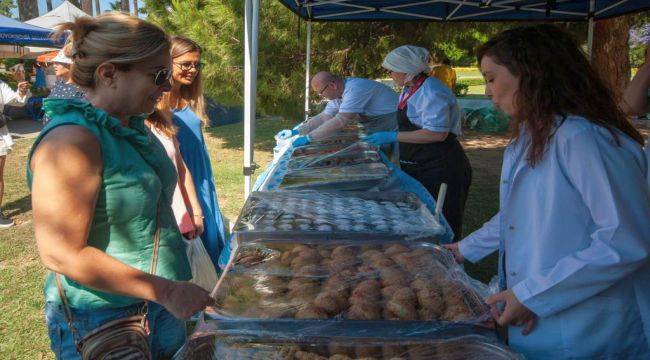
(590,34)
(307,68)
(251,20)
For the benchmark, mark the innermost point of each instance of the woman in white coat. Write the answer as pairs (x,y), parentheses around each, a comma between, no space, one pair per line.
(7,95)
(573,230)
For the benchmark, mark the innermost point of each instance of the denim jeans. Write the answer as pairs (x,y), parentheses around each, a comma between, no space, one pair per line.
(167,333)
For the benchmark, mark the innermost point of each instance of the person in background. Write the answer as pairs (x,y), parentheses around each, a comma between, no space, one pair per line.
(6,143)
(187,103)
(39,76)
(102,189)
(429,127)
(50,75)
(572,228)
(444,72)
(370,103)
(64,88)
(19,71)
(185,202)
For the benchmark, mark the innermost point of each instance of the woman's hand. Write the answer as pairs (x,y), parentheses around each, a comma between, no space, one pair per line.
(198,224)
(514,313)
(183,299)
(453,247)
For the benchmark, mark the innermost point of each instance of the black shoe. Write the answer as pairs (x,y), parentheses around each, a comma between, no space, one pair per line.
(5,222)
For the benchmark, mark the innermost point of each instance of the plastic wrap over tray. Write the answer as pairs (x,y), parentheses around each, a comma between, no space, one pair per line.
(209,344)
(325,211)
(357,153)
(356,177)
(342,280)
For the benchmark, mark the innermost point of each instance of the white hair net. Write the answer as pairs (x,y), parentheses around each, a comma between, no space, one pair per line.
(408,59)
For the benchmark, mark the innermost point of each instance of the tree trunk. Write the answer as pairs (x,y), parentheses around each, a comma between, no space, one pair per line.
(98,9)
(87,6)
(610,54)
(76,3)
(48,3)
(135,7)
(28,9)
(124,6)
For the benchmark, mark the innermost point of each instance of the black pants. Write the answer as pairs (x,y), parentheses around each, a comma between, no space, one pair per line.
(453,169)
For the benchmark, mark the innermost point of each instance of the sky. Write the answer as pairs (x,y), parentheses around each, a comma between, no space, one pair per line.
(42,8)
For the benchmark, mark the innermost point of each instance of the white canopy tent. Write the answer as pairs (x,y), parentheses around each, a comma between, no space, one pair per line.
(61,14)
(410,10)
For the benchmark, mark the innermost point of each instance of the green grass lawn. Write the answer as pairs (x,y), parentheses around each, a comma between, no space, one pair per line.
(22,327)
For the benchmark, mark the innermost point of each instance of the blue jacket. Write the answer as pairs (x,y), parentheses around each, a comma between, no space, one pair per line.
(574,236)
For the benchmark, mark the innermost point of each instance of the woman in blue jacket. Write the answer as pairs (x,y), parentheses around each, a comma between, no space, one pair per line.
(573,229)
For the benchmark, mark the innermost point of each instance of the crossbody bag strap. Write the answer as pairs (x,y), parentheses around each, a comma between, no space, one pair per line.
(152,270)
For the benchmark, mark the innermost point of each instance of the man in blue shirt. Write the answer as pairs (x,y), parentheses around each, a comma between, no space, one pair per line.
(351,99)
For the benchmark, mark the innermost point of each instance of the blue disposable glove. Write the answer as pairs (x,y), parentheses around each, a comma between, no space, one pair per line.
(382,137)
(301,141)
(285,134)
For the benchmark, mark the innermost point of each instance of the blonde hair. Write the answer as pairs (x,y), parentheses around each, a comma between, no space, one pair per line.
(162,121)
(192,94)
(118,38)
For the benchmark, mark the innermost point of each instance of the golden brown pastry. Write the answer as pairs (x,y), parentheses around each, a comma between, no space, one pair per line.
(432,300)
(404,310)
(370,289)
(344,251)
(311,311)
(364,311)
(404,294)
(388,291)
(331,303)
(367,351)
(396,248)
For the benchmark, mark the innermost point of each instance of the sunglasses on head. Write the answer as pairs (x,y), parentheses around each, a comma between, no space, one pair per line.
(186,66)
(161,76)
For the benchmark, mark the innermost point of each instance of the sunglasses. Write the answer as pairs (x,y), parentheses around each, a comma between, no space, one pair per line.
(161,76)
(186,66)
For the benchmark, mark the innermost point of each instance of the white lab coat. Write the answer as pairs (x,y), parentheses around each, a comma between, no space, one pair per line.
(576,234)
(7,95)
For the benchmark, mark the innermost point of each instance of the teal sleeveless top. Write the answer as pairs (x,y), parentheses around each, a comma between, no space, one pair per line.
(137,175)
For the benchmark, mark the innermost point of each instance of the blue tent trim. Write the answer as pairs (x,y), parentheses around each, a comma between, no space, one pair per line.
(458,10)
(14,32)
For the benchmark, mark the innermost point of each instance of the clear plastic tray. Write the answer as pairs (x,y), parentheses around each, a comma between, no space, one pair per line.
(355,177)
(211,345)
(330,211)
(359,280)
(319,150)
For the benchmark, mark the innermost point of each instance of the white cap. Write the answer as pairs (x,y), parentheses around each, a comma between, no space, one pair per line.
(61,58)
(407,59)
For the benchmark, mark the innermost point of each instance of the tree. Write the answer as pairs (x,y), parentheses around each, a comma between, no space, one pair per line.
(98,9)
(48,4)
(87,6)
(6,6)
(135,7)
(116,5)
(347,48)
(28,9)
(76,3)
(124,6)
(610,56)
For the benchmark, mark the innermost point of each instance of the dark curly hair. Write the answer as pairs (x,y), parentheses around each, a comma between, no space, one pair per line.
(555,78)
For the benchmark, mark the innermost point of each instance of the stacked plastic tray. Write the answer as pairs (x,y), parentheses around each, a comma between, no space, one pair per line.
(327,269)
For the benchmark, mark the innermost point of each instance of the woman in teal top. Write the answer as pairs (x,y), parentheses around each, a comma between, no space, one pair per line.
(101,187)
